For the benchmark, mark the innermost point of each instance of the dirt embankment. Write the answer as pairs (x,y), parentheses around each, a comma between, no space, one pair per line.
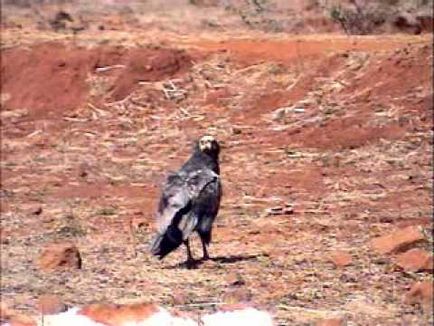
(53,78)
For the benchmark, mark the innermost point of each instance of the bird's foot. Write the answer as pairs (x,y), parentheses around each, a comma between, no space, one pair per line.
(206,257)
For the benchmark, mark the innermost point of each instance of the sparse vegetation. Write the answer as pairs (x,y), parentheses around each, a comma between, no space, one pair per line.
(368,17)
(353,17)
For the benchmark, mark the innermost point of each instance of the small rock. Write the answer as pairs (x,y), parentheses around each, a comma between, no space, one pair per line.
(138,222)
(330,322)
(287,209)
(235,279)
(422,293)
(50,305)
(83,169)
(236,131)
(37,210)
(395,241)
(340,258)
(415,260)
(59,256)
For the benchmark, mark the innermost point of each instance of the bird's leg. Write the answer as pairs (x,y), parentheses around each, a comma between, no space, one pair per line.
(190,260)
(205,250)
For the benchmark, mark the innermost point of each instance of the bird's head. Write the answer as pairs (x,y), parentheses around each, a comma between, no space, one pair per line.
(208,144)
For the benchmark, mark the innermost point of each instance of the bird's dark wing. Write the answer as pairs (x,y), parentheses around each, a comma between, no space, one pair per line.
(207,205)
(176,216)
(174,199)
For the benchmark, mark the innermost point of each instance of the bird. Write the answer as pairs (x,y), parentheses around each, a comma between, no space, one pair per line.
(190,202)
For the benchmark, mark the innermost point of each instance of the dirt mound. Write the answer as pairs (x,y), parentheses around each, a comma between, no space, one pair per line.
(349,94)
(148,65)
(407,63)
(46,78)
(51,78)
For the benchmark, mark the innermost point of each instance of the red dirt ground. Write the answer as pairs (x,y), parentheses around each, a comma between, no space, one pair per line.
(55,68)
(327,144)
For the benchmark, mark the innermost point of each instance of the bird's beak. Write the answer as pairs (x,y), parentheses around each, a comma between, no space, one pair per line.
(205,146)
(208,145)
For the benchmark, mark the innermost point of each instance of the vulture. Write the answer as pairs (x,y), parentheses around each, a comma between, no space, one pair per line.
(190,201)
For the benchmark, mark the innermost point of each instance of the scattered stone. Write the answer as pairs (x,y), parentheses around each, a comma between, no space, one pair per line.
(59,256)
(340,258)
(236,131)
(397,240)
(37,210)
(415,260)
(50,305)
(83,170)
(422,293)
(287,209)
(235,279)
(330,322)
(138,222)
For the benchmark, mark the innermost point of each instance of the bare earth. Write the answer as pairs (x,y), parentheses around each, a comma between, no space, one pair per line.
(327,144)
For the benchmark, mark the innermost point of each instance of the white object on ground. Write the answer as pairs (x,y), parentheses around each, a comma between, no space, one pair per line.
(246,316)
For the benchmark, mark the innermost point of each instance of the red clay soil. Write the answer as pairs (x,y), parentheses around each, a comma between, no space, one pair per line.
(148,65)
(45,78)
(249,52)
(51,78)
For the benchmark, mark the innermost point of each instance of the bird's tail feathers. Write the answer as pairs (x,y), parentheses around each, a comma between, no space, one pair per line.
(166,242)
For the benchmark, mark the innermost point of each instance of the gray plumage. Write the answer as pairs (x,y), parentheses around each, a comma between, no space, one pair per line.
(190,201)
